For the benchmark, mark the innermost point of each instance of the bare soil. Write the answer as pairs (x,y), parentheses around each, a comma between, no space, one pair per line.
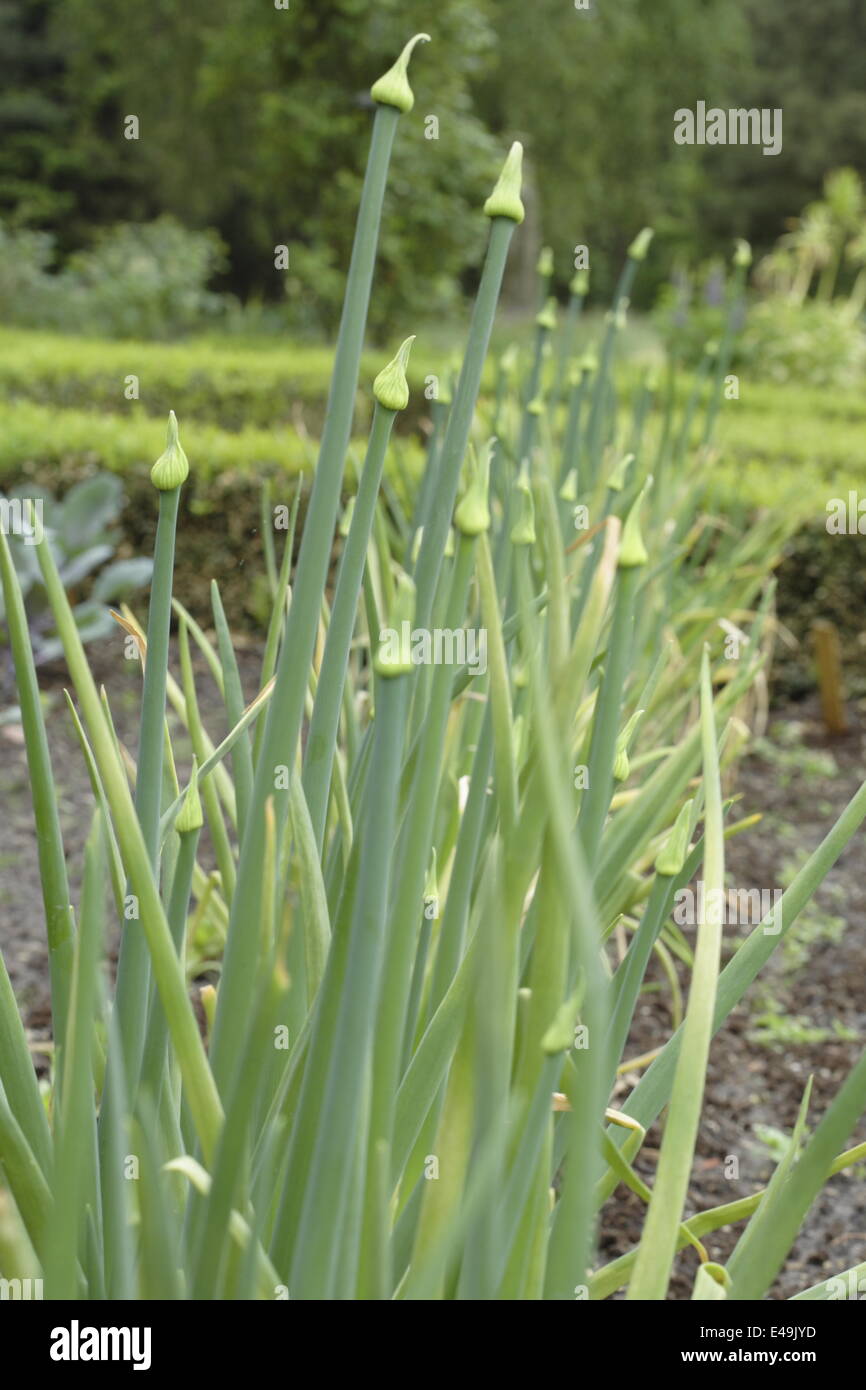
(753,1084)
(22,931)
(798,779)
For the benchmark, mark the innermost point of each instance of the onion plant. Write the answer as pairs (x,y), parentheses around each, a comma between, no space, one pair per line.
(440,880)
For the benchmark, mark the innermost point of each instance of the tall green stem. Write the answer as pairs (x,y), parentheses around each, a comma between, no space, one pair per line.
(286,709)
(319,752)
(441,509)
(49,840)
(133,966)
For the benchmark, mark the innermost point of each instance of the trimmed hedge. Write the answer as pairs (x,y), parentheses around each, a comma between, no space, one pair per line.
(789,446)
(223,497)
(234,384)
(249,410)
(822,576)
(34,437)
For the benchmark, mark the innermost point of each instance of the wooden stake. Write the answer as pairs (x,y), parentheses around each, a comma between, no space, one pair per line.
(827,653)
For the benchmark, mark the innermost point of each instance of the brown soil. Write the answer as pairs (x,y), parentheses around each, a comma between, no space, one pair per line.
(22,932)
(799,780)
(751,1084)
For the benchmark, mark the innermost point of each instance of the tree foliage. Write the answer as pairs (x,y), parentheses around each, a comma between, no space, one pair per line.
(253,120)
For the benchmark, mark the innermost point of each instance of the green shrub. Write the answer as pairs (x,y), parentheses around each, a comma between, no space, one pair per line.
(690,310)
(25,282)
(147,280)
(138,279)
(821,344)
(822,577)
(816,342)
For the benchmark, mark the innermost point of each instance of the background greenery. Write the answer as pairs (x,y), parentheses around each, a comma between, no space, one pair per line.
(253,134)
(253,121)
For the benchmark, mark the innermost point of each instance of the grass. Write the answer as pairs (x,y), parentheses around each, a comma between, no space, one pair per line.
(438,907)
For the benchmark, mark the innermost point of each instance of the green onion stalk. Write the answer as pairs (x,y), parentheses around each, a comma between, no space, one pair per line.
(133,967)
(505,209)
(578,290)
(321,1236)
(393,96)
(472,519)
(59,918)
(391,392)
(637,254)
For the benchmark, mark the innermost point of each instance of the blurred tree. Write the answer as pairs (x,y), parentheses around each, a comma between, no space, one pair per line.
(37,168)
(594,92)
(808,60)
(254,120)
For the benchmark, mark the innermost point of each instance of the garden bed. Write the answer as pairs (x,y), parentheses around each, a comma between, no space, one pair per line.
(760,1063)
(798,778)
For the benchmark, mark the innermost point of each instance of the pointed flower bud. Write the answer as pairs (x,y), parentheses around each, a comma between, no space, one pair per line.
(391,388)
(473,511)
(672,856)
(620,763)
(523,530)
(568,491)
(172,467)
(508,361)
(742,254)
(505,199)
(545,263)
(589,360)
(547,317)
(190,817)
(392,88)
(579,284)
(394,657)
(641,244)
(632,551)
(616,481)
(535,406)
